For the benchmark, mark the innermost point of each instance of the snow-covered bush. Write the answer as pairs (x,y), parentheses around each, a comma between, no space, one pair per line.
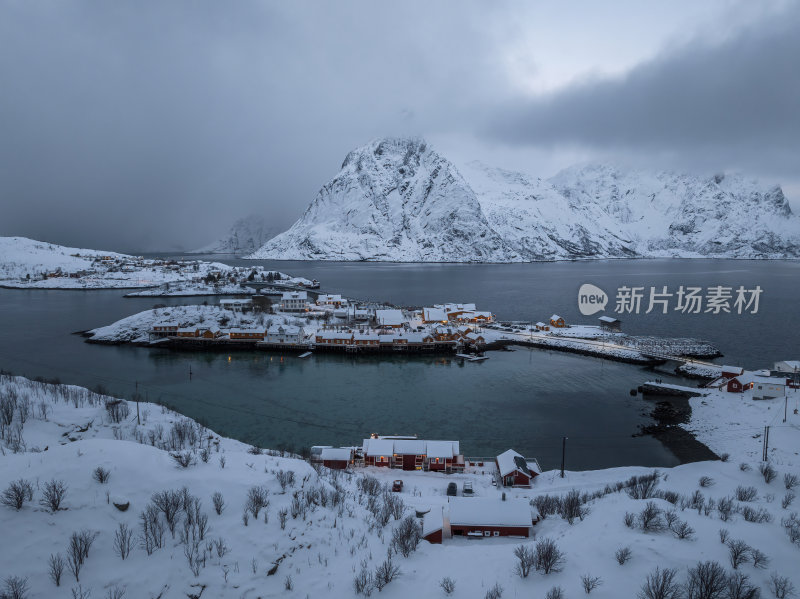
(15,588)
(572,507)
(385,573)
(650,518)
(739,587)
(17,493)
(791,525)
(257,499)
(184,459)
(363,582)
(555,593)
(706,481)
(643,486)
(495,592)
(787,500)
(117,410)
(725,508)
(781,586)
(758,515)
(790,481)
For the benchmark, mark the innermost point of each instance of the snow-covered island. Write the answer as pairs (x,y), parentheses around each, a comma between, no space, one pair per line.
(117,498)
(29,264)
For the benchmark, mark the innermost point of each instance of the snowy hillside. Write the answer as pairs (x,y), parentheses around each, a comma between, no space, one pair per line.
(20,256)
(245,236)
(399,200)
(206,516)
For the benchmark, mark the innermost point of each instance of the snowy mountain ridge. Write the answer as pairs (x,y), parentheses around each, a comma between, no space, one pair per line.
(397,199)
(245,236)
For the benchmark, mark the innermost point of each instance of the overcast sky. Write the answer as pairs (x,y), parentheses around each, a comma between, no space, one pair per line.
(154,125)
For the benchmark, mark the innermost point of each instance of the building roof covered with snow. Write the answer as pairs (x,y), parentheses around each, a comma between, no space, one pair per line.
(294,295)
(509,461)
(336,454)
(392,318)
(434,315)
(485,511)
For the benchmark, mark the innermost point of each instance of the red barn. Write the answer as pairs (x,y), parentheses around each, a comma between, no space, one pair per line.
(336,458)
(729,372)
(514,469)
(480,517)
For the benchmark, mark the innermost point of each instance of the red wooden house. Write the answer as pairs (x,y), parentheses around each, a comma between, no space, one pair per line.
(336,458)
(480,517)
(514,469)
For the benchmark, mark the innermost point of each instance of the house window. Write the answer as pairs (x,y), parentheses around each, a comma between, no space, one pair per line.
(497,533)
(487,533)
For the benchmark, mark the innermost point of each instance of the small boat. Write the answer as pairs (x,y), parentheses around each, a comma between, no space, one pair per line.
(478,358)
(464,356)
(304,355)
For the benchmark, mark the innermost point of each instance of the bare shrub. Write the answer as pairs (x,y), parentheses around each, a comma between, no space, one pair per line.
(17,493)
(15,588)
(78,592)
(738,552)
(791,525)
(548,558)
(495,592)
(706,481)
(650,518)
(385,573)
(218,501)
(790,481)
(53,495)
(590,583)
(117,410)
(288,583)
(152,532)
(744,467)
(758,515)
(555,593)
(363,583)
(205,454)
(572,507)
(787,500)
(623,555)
(406,536)
(682,530)
(723,535)
(169,503)
(116,592)
(220,547)
(525,560)
(759,558)
(746,493)
(282,515)
(55,568)
(183,459)
(285,479)
(661,584)
(101,475)
(707,580)
(448,585)
(123,540)
(781,586)
(222,461)
(724,457)
(725,508)
(767,471)
(642,487)
(257,499)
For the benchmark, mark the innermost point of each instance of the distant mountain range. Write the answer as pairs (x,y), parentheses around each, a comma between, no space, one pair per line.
(244,237)
(400,200)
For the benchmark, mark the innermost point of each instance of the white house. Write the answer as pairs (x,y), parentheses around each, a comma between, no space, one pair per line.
(434,315)
(294,301)
(285,333)
(236,305)
(335,300)
(788,366)
(768,388)
(390,318)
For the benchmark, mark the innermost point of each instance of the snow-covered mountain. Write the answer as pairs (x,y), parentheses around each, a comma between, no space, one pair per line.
(399,200)
(245,236)
(20,256)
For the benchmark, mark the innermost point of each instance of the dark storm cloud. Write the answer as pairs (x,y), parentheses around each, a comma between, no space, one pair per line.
(155,125)
(735,103)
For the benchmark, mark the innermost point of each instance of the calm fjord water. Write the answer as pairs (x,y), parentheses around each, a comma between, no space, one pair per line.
(526,399)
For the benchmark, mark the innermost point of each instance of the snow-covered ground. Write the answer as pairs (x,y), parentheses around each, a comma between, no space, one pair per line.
(29,264)
(68,432)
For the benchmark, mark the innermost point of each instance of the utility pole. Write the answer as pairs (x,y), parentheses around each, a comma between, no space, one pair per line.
(563,453)
(766,444)
(138,420)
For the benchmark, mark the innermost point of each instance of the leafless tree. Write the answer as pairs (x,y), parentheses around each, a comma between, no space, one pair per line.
(15,588)
(55,568)
(548,558)
(738,552)
(257,498)
(759,558)
(169,503)
(781,586)
(661,584)
(79,593)
(572,507)
(707,580)
(525,560)
(123,540)
(406,536)
(53,495)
